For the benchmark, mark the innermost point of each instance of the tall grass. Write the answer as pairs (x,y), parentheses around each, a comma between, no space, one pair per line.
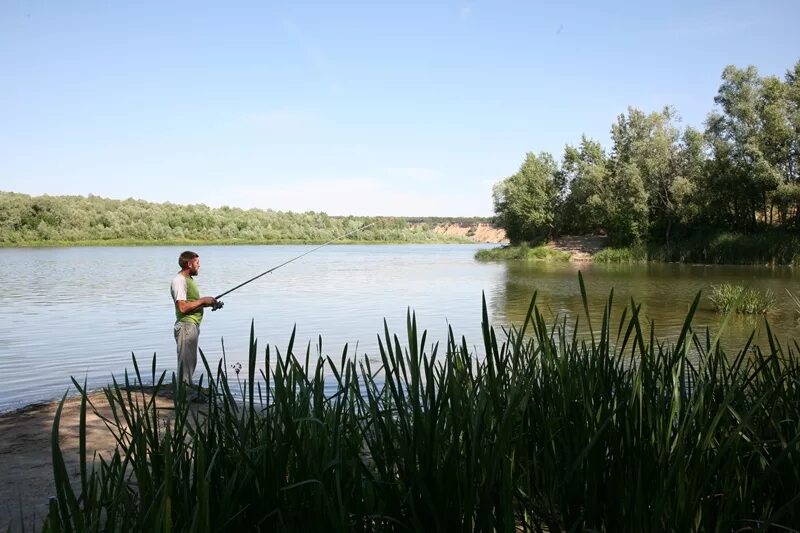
(796,301)
(543,432)
(728,297)
(636,254)
(774,246)
(523,252)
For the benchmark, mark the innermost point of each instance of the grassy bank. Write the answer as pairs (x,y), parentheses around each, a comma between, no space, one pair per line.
(623,432)
(767,247)
(637,254)
(522,252)
(778,247)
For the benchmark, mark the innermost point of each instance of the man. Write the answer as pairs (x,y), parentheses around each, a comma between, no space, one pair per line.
(189,313)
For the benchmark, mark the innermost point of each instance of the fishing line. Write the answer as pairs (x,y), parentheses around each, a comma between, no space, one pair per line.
(219,304)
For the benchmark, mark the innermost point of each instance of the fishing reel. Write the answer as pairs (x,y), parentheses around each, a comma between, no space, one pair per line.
(217,305)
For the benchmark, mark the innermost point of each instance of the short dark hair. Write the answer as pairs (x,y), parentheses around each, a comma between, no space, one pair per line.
(183,260)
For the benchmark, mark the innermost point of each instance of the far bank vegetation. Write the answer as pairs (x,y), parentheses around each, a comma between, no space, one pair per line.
(727,194)
(69,220)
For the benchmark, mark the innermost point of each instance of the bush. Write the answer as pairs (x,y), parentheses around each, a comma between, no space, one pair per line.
(522,252)
(796,301)
(728,297)
(637,254)
(712,246)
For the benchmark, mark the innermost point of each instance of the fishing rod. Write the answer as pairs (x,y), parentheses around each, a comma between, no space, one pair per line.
(219,304)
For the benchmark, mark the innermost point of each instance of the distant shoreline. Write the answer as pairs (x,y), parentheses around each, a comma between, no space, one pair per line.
(445,234)
(135,243)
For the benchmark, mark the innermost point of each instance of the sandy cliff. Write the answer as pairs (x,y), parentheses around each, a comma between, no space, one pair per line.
(478,232)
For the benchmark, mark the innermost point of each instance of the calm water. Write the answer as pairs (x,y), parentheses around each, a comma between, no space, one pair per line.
(82,311)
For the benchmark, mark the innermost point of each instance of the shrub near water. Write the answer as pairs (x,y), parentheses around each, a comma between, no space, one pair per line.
(728,297)
(620,432)
(523,252)
(768,246)
(636,254)
(796,301)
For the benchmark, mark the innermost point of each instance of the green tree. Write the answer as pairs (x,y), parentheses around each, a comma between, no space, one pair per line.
(653,143)
(585,174)
(525,202)
(688,191)
(785,199)
(792,95)
(747,143)
(625,199)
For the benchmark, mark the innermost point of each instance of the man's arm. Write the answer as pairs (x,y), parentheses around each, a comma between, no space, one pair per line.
(186,306)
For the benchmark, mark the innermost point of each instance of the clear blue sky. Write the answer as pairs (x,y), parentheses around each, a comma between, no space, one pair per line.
(367,108)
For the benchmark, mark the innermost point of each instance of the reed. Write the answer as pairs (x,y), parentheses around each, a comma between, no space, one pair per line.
(522,252)
(796,301)
(728,297)
(765,246)
(541,432)
(636,254)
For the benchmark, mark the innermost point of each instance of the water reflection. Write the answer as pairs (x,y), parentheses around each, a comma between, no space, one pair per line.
(664,291)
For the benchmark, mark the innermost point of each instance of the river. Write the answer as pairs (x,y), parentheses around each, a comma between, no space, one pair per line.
(83,311)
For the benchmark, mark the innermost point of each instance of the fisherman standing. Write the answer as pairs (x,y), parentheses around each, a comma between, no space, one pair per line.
(188,313)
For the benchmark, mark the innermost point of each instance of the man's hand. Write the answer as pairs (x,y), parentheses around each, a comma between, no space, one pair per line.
(189,306)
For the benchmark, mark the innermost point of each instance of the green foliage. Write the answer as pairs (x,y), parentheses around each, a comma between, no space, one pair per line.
(522,252)
(636,254)
(796,301)
(661,182)
(585,172)
(461,221)
(545,432)
(64,220)
(730,297)
(712,246)
(626,205)
(525,203)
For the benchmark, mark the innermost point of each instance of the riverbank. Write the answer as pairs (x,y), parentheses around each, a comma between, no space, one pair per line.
(438,234)
(26,466)
(772,248)
(573,248)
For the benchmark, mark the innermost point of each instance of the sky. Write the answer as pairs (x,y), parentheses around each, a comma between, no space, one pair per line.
(348,108)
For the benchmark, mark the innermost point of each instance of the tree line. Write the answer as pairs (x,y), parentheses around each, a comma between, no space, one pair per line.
(660,182)
(26,219)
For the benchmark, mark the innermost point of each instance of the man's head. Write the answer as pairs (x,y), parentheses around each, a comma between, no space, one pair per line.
(189,261)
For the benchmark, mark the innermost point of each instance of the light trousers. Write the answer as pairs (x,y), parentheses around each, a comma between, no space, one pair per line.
(186,335)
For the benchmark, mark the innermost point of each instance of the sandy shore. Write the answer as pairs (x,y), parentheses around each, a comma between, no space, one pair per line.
(25,455)
(580,247)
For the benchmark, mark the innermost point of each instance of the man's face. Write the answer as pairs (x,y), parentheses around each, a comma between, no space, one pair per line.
(194,266)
